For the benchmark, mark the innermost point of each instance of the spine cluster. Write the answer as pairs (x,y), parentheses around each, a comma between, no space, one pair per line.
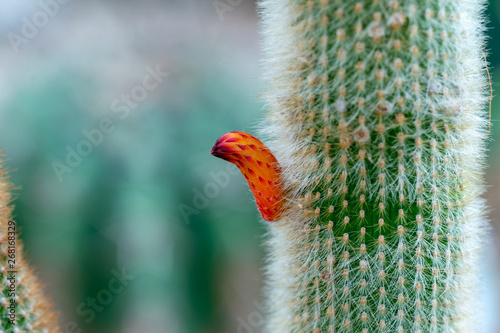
(377,115)
(23,306)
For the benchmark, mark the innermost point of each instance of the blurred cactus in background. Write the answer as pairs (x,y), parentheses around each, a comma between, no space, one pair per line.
(377,115)
(24,307)
(119,208)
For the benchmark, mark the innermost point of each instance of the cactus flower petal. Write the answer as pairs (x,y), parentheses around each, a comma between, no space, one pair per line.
(259,167)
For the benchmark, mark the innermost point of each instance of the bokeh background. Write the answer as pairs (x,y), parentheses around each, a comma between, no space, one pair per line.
(132,204)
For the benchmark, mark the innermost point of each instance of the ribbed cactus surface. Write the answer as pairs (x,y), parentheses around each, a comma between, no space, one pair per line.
(23,306)
(377,115)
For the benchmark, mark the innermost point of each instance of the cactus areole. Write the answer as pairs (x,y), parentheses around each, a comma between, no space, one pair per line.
(377,119)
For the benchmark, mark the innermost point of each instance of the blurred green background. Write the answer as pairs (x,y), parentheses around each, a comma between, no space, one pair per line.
(132,205)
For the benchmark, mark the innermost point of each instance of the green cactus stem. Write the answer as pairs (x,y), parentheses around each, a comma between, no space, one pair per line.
(376,117)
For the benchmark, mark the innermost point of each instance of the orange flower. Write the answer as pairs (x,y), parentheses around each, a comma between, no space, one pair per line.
(258,165)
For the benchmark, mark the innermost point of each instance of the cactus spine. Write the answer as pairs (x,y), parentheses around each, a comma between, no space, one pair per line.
(32,308)
(377,120)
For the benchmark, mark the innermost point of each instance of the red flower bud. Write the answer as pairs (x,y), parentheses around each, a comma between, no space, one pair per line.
(258,165)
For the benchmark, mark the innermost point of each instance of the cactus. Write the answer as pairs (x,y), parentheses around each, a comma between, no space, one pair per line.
(377,121)
(20,291)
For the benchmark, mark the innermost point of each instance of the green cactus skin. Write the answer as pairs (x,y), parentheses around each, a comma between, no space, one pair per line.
(377,119)
(33,309)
